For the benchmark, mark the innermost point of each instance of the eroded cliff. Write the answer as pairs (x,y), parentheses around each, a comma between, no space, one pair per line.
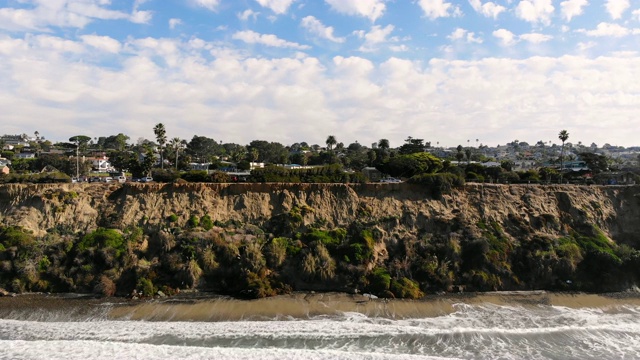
(521,209)
(262,239)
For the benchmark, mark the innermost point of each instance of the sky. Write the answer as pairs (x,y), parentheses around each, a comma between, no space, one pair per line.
(449,72)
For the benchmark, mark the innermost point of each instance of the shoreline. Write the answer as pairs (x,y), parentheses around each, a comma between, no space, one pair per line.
(211,307)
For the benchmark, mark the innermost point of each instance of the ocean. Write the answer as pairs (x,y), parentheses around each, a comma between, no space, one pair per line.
(534,325)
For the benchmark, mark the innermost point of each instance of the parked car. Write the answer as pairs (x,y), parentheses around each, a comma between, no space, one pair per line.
(107,179)
(146,179)
(121,179)
(390,180)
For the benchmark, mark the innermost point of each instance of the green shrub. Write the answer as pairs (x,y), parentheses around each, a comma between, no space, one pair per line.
(206,222)
(145,287)
(193,221)
(406,289)
(379,281)
(172,218)
(166,175)
(104,238)
(44,264)
(196,176)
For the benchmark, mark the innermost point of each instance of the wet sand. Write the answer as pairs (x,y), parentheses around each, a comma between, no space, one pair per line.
(203,307)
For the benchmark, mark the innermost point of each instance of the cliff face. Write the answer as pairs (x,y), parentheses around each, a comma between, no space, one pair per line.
(521,210)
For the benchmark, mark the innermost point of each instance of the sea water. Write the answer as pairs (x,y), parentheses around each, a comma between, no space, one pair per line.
(455,330)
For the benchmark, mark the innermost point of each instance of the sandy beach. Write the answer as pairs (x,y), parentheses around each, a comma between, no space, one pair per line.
(206,307)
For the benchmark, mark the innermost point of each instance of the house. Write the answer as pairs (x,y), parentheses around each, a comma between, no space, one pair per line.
(4,170)
(199,166)
(100,164)
(20,140)
(25,155)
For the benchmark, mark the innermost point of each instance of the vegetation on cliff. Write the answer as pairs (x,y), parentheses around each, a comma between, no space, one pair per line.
(297,250)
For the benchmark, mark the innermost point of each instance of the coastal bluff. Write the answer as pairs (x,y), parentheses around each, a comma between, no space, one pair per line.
(521,210)
(254,240)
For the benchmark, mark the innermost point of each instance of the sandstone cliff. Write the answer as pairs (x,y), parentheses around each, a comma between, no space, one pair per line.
(522,210)
(388,239)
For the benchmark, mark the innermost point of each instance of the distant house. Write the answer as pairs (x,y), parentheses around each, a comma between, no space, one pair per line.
(199,166)
(8,147)
(491,164)
(25,155)
(100,164)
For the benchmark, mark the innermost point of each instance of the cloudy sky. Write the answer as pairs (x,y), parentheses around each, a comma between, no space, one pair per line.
(299,70)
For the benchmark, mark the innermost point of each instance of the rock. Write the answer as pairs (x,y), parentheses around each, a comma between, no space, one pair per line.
(161,294)
(4,292)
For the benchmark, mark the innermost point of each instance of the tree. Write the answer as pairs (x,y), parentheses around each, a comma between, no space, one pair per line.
(563,136)
(331,142)
(203,149)
(269,152)
(177,144)
(595,162)
(383,144)
(411,164)
(161,138)
(459,154)
(411,146)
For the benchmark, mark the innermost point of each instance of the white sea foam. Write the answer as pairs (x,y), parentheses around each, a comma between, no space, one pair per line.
(472,331)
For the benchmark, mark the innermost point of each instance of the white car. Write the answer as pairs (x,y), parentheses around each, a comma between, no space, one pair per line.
(390,180)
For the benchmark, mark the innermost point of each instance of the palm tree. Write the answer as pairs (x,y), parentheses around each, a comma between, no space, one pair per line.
(331,141)
(383,144)
(563,136)
(177,144)
(161,138)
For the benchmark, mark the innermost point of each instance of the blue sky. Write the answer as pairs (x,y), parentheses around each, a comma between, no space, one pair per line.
(300,70)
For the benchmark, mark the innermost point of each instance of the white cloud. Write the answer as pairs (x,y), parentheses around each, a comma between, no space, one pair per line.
(434,9)
(60,13)
(252,37)
(462,34)
(277,6)
(535,38)
(141,17)
(572,8)
(173,23)
(616,8)
(609,29)
(535,11)
(488,9)
(582,46)
(371,9)
(507,38)
(104,43)
(315,27)
(375,37)
(304,99)
(245,15)
(636,14)
(207,4)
